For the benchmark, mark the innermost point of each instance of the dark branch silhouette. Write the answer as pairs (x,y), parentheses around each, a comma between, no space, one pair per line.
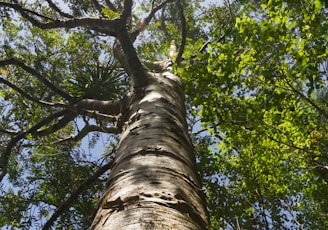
(110,5)
(141,27)
(67,118)
(4,159)
(87,129)
(98,6)
(178,59)
(8,131)
(75,194)
(18,7)
(24,94)
(58,10)
(40,77)
(103,25)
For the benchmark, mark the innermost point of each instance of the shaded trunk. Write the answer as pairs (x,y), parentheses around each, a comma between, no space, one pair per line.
(153,183)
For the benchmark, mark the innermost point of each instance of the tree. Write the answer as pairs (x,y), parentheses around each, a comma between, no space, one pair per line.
(58,65)
(255,76)
(260,85)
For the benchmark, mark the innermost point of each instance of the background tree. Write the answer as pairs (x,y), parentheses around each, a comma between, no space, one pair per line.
(260,85)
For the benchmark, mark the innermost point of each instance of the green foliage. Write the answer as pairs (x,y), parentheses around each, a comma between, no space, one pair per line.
(258,92)
(255,74)
(41,172)
(109,13)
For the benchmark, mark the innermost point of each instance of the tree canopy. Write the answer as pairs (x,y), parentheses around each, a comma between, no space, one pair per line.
(255,75)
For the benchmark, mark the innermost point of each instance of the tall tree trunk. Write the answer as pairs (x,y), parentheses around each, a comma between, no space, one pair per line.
(153,183)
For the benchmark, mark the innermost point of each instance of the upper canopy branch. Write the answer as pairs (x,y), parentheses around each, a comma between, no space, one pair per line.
(8,131)
(127,9)
(40,77)
(110,5)
(58,10)
(98,6)
(87,129)
(178,58)
(142,26)
(103,25)
(25,94)
(18,7)
(93,108)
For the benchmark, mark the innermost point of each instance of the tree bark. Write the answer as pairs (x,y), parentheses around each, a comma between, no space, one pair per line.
(153,183)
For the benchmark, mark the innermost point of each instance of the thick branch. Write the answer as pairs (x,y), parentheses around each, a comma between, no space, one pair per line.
(183,32)
(128,57)
(92,108)
(35,73)
(75,194)
(112,107)
(102,25)
(127,8)
(67,118)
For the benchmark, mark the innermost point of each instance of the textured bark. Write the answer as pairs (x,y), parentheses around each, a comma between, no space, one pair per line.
(153,183)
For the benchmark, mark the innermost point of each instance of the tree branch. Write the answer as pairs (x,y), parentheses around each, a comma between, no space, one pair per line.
(127,8)
(9,132)
(25,94)
(87,129)
(98,6)
(323,112)
(112,107)
(4,158)
(103,25)
(127,55)
(24,12)
(142,26)
(178,59)
(110,5)
(44,80)
(75,194)
(59,11)
(57,126)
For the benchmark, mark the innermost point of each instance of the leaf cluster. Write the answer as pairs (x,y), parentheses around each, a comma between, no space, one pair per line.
(257,86)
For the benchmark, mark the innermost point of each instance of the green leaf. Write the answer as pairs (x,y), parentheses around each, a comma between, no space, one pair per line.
(110,14)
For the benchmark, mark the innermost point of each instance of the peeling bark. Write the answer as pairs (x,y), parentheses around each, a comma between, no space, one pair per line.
(153,183)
